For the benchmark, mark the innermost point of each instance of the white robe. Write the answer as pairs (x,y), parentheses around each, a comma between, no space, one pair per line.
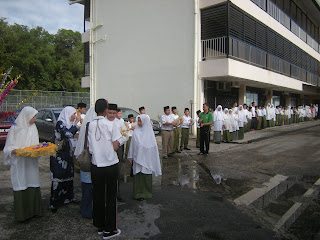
(218,118)
(144,149)
(24,171)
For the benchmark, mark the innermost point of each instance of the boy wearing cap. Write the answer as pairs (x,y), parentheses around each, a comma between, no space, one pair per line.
(185,129)
(167,124)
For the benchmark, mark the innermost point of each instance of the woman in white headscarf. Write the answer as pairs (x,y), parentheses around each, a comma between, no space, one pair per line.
(85,177)
(242,121)
(227,136)
(144,156)
(235,133)
(218,118)
(61,165)
(24,171)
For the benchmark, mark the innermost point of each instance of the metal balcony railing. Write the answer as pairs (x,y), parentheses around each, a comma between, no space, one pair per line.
(87,69)
(247,52)
(216,47)
(274,11)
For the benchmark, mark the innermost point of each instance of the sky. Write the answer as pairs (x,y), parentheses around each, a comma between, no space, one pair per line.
(49,14)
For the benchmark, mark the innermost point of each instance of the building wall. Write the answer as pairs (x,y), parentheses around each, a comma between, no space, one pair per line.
(147,58)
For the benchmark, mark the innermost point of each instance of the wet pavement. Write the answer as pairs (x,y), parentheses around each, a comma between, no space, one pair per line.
(188,201)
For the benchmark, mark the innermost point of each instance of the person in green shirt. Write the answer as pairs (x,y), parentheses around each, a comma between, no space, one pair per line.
(205,120)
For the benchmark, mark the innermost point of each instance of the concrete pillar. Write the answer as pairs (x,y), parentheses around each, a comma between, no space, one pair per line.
(242,94)
(269,96)
(288,101)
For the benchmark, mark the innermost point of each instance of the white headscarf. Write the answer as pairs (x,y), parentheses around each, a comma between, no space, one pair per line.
(22,134)
(65,116)
(242,115)
(143,147)
(218,115)
(90,115)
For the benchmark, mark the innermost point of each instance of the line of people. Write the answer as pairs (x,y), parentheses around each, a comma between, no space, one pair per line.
(228,124)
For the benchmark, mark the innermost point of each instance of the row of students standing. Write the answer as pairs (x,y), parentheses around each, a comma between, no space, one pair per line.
(171,127)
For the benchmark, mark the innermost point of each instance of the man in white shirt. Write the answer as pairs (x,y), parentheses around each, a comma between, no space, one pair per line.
(81,110)
(176,131)
(103,139)
(119,115)
(129,133)
(185,129)
(254,122)
(167,124)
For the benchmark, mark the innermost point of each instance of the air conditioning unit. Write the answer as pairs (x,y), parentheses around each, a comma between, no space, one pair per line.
(224,86)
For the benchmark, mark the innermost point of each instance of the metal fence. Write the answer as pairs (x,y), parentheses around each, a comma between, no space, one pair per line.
(273,10)
(238,49)
(44,99)
(215,47)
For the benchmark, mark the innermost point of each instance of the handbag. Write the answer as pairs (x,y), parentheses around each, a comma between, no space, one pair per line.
(84,159)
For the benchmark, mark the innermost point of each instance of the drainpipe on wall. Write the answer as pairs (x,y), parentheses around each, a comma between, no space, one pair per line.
(91,55)
(196,65)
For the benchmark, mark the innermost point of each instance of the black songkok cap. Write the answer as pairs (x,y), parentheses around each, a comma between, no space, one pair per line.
(113,106)
(118,110)
(130,115)
(173,108)
(186,109)
(166,107)
(141,108)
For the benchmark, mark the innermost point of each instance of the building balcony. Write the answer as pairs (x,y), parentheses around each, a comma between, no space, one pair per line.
(274,11)
(224,47)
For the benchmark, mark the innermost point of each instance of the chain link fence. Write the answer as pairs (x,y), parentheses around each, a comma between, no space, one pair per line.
(44,99)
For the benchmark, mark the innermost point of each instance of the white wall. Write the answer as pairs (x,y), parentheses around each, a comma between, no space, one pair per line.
(147,58)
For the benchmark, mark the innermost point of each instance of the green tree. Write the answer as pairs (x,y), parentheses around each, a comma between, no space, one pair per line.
(45,61)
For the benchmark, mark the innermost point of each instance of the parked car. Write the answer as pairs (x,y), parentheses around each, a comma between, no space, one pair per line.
(46,122)
(5,125)
(126,111)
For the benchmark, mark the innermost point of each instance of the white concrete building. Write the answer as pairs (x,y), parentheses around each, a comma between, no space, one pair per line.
(185,52)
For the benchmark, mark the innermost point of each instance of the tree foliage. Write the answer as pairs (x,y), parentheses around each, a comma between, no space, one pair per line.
(46,61)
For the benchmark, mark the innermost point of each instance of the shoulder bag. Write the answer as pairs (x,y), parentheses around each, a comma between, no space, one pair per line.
(84,159)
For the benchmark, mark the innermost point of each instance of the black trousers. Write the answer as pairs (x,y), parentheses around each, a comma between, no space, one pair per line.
(104,193)
(204,138)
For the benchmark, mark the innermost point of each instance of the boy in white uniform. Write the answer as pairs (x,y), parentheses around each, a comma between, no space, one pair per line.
(185,129)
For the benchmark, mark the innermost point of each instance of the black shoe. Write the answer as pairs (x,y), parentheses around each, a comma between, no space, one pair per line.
(170,155)
(187,148)
(200,153)
(100,231)
(140,199)
(178,151)
(164,157)
(109,235)
(206,154)
(54,210)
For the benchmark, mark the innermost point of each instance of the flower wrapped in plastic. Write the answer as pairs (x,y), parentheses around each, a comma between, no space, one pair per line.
(42,150)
